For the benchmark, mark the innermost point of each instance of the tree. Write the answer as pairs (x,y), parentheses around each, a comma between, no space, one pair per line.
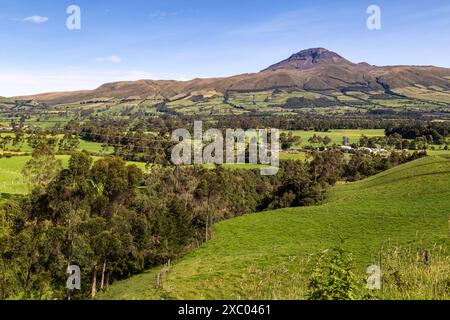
(9,282)
(42,168)
(326,140)
(364,141)
(69,143)
(315,139)
(296,186)
(115,182)
(289,140)
(421,143)
(327,166)
(208,191)
(395,140)
(4,141)
(92,231)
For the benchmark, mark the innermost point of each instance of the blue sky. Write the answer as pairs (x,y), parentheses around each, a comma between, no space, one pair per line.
(185,39)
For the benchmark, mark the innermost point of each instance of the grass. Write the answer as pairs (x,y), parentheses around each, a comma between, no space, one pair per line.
(94,147)
(337,136)
(21,147)
(420,92)
(438,152)
(266,255)
(11,180)
(407,276)
(293,156)
(91,147)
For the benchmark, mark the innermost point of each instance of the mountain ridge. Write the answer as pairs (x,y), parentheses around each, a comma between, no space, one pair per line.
(315,69)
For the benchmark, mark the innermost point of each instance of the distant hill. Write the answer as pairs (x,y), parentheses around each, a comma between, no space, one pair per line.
(263,255)
(314,69)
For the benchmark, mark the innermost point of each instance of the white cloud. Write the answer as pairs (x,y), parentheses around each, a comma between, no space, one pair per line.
(112,59)
(26,82)
(158,14)
(35,19)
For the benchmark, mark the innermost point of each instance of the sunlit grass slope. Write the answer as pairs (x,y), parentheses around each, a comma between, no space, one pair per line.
(407,205)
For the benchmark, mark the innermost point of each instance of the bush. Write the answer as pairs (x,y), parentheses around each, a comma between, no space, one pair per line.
(332,277)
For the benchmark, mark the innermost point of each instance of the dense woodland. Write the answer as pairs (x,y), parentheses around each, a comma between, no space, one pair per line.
(167,123)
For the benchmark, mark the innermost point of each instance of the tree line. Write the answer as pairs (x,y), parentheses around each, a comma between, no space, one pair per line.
(166,124)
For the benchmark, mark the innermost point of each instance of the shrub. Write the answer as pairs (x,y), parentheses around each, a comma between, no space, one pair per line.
(332,277)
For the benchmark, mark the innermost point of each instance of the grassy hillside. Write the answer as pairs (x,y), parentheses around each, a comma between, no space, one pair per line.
(267,255)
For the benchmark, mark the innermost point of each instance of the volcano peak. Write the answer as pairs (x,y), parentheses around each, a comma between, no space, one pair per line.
(307,59)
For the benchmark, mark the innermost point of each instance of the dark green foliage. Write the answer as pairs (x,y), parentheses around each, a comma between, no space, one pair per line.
(301,102)
(433,132)
(68,143)
(362,165)
(42,168)
(288,140)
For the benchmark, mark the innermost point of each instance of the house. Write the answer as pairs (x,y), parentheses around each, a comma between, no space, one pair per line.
(346,148)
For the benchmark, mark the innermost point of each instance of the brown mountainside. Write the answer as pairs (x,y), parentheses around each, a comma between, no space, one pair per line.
(315,69)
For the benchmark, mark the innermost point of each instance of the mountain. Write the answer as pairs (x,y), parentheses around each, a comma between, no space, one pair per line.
(316,69)
(308,59)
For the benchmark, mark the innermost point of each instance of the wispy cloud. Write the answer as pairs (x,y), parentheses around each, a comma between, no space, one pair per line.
(161,14)
(431,13)
(35,19)
(287,21)
(430,16)
(111,59)
(158,14)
